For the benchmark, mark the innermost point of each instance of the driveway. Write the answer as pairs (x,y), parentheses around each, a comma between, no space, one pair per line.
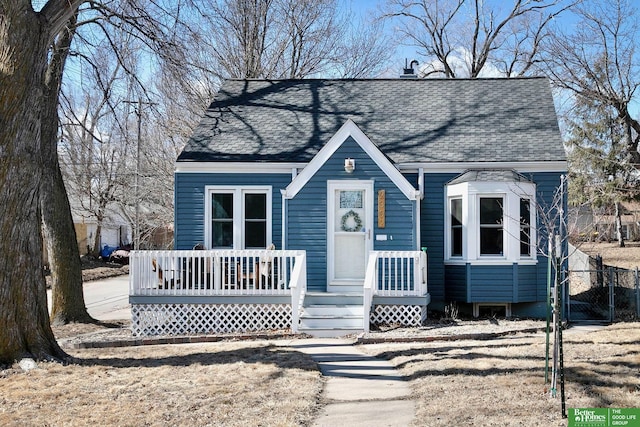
(106,299)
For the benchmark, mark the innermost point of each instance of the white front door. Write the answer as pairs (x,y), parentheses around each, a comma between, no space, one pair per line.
(349,223)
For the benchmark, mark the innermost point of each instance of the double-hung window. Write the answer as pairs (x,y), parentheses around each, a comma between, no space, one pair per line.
(491,225)
(456,227)
(238,218)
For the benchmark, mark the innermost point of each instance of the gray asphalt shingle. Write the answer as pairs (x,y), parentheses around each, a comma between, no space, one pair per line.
(410,120)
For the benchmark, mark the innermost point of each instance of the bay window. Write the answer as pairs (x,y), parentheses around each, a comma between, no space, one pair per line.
(490,219)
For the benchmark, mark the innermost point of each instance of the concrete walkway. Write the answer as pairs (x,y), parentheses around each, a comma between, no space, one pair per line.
(360,390)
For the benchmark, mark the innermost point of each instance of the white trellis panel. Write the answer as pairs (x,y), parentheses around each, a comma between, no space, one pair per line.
(407,315)
(185,319)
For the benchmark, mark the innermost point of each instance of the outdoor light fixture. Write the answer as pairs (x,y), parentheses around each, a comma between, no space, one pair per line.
(349,165)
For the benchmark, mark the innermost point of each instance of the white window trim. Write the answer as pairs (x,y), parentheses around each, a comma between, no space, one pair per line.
(239,211)
(470,193)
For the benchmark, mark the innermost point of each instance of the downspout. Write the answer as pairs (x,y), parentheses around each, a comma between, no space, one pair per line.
(285,222)
(419,197)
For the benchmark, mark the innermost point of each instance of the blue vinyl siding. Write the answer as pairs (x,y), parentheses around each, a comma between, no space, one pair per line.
(491,283)
(307,212)
(547,183)
(432,231)
(529,282)
(456,283)
(190,203)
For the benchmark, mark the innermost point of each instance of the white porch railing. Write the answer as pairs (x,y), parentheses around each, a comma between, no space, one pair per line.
(215,272)
(395,274)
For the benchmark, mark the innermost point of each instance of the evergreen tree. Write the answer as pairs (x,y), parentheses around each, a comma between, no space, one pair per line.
(601,173)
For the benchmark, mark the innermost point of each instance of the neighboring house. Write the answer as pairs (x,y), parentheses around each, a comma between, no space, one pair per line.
(350,171)
(114,231)
(599,224)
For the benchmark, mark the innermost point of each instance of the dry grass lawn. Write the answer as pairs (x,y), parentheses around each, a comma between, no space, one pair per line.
(222,384)
(612,254)
(496,382)
(501,382)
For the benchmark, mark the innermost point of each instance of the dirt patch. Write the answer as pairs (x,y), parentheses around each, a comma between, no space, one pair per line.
(613,255)
(79,330)
(501,382)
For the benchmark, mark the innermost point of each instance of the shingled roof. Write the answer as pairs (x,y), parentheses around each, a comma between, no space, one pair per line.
(410,120)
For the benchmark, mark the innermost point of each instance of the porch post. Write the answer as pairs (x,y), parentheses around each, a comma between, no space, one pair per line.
(418,200)
(284,218)
(217,272)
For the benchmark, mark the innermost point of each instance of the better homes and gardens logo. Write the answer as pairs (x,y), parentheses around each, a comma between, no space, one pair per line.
(603,417)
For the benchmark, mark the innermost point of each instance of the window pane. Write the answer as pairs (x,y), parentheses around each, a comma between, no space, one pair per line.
(222,205)
(222,220)
(456,227)
(491,210)
(525,247)
(490,241)
(222,234)
(525,228)
(255,206)
(255,235)
(456,241)
(525,211)
(456,212)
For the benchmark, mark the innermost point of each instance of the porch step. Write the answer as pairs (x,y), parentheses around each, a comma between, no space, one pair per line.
(331,321)
(333,298)
(327,315)
(321,310)
(329,333)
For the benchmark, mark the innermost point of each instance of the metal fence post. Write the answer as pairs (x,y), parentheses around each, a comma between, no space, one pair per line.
(637,294)
(568,295)
(611,291)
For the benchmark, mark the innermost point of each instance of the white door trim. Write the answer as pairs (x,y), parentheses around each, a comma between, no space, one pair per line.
(352,184)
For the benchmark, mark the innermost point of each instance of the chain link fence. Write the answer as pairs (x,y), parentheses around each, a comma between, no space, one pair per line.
(603,293)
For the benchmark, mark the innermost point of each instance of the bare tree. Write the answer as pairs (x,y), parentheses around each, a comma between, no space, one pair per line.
(285,39)
(473,38)
(95,150)
(595,60)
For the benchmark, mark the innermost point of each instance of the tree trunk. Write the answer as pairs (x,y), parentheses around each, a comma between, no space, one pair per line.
(60,235)
(25,330)
(619,226)
(97,239)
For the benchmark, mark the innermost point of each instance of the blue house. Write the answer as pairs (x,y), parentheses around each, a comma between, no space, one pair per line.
(395,194)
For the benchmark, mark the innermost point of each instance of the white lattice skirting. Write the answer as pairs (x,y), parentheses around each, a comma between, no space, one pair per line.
(184,319)
(407,315)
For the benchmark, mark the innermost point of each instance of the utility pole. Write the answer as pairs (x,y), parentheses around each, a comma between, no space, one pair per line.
(136,230)
(136,236)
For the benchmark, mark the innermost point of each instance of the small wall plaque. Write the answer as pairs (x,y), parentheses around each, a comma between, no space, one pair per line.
(381,209)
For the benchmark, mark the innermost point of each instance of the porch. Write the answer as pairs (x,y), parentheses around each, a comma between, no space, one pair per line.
(224,291)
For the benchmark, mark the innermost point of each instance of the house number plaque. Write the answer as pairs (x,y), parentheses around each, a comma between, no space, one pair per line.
(381,212)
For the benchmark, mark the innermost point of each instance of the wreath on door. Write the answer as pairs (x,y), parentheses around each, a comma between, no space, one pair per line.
(351,221)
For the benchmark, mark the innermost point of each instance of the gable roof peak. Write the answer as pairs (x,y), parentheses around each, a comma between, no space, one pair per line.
(350,129)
